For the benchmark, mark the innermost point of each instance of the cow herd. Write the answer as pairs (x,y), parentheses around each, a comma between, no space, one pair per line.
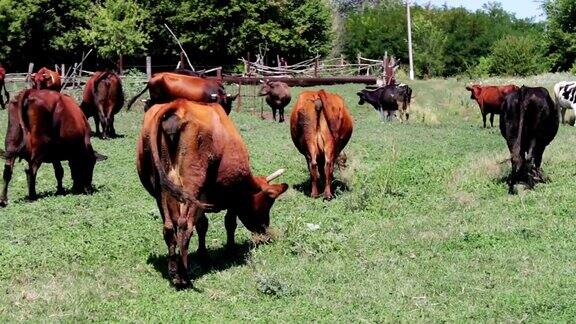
(192,160)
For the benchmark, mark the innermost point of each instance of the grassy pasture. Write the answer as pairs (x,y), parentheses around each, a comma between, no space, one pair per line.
(425,231)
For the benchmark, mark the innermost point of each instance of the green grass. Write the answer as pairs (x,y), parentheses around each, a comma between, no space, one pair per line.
(426,231)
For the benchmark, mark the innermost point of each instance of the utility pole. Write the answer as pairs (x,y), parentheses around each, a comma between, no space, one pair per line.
(411,60)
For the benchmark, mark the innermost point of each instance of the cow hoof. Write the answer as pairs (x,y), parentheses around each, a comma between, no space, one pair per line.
(181,283)
(328,197)
(3,203)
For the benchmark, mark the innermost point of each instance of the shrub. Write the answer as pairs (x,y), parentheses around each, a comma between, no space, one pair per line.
(517,55)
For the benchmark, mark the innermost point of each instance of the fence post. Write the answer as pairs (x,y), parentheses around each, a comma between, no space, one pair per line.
(120,65)
(30,69)
(316,67)
(342,59)
(239,99)
(182,61)
(219,73)
(148,67)
(359,66)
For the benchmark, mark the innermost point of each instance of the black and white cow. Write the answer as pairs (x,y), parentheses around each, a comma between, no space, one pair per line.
(388,99)
(565,93)
(529,121)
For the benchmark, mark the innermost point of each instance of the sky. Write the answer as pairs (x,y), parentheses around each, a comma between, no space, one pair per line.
(522,8)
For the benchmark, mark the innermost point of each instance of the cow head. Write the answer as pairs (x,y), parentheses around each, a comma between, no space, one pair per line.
(43,79)
(266,88)
(226,102)
(362,96)
(475,91)
(256,216)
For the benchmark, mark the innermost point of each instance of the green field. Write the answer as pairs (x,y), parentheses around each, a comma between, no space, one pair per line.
(422,229)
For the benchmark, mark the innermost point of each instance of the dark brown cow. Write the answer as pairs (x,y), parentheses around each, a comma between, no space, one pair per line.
(103,98)
(529,122)
(189,152)
(46,79)
(321,126)
(45,126)
(490,99)
(3,86)
(167,86)
(277,97)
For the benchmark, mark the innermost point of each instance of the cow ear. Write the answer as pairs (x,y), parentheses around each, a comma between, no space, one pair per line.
(275,190)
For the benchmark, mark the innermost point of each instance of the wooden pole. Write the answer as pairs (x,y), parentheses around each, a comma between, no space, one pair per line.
(63,70)
(182,61)
(120,65)
(148,67)
(316,67)
(30,70)
(410,58)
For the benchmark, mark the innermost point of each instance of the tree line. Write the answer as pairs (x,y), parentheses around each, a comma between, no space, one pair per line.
(447,41)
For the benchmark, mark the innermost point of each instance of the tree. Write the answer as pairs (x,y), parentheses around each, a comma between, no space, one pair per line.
(116,27)
(429,47)
(518,55)
(561,32)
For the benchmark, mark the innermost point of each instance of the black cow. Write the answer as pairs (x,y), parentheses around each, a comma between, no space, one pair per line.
(529,122)
(387,99)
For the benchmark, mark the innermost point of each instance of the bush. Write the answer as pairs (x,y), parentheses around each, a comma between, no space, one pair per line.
(518,56)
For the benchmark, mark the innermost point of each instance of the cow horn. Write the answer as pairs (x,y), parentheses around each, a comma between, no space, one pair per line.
(275,175)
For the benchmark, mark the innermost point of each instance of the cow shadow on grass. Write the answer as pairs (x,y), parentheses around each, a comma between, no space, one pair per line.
(219,259)
(53,193)
(338,187)
(115,136)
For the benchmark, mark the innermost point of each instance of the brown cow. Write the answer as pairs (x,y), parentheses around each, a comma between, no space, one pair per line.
(188,152)
(3,86)
(277,97)
(167,86)
(490,99)
(46,126)
(321,127)
(103,98)
(46,79)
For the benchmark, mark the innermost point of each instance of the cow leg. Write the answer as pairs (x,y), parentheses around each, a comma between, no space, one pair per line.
(230,224)
(59,174)
(281,114)
(537,152)
(184,233)
(314,174)
(562,115)
(202,228)
(491,120)
(381,112)
(31,177)
(97,123)
(484,119)
(274,113)
(328,176)
(8,169)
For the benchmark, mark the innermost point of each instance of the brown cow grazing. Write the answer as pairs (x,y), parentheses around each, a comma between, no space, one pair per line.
(3,86)
(490,98)
(46,79)
(321,127)
(189,152)
(277,97)
(167,86)
(46,126)
(103,98)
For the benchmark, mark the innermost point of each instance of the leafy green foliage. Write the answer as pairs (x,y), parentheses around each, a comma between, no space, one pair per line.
(429,47)
(521,56)
(117,27)
(561,32)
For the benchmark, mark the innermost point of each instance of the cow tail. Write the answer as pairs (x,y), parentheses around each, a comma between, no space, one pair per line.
(332,120)
(155,142)
(131,102)
(23,117)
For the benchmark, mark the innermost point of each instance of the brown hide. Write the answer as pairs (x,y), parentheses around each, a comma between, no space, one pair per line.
(191,159)
(46,126)
(3,101)
(321,126)
(168,86)
(46,79)
(277,97)
(490,99)
(102,99)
